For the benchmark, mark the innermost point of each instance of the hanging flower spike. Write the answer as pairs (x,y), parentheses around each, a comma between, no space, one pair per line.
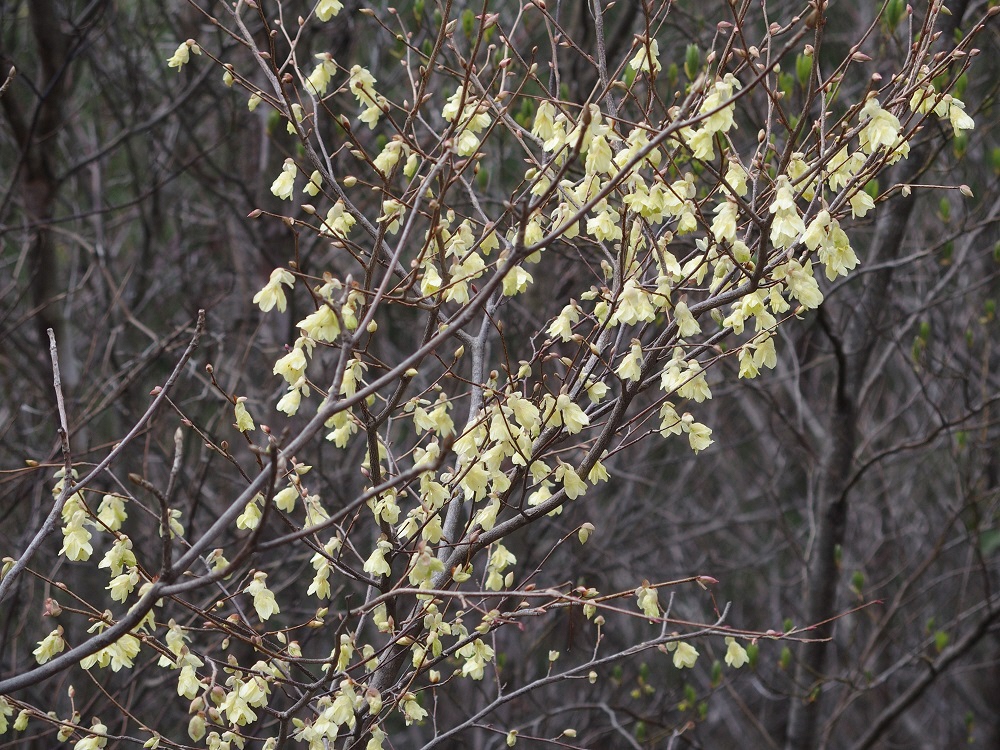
(182,55)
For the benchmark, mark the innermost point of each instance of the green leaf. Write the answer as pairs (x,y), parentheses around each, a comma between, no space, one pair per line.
(468,23)
(941,640)
(989,542)
(673,75)
(893,14)
(640,731)
(803,69)
(857,582)
(785,660)
(692,61)
(690,695)
(960,144)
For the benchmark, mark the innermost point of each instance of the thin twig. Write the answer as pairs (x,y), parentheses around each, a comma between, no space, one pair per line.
(165,535)
(50,522)
(11,74)
(61,405)
(574,671)
(175,469)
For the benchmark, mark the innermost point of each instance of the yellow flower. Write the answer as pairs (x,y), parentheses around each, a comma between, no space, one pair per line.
(648,600)
(747,367)
(244,422)
(604,226)
(562,324)
(958,117)
(412,711)
(237,710)
(319,80)
(187,683)
(699,435)
(572,416)
(292,366)
(49,646)
(881,130)
(250,517)
(376,564)
(119,557)
(263,600)
(787,226)
(861,204)
(338,221)
(476,654)
(284,185)
(362,85)
(645,58)
(76,539)
(694,385)
(736,655)
(634,305)
(327,9)
(122,585)
(182,55)
(571,482)
(702,144)
(392,215)
(599,155)
(111,512)
(544,124)
(315,181)
(390,156)
(685,655)
(5,710)
(724,224)
(96,740)
(801,283)
(686,322)
(272,295)
(630,367)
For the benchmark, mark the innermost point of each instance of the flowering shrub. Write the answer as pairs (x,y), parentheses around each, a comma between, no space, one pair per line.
(675,218)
